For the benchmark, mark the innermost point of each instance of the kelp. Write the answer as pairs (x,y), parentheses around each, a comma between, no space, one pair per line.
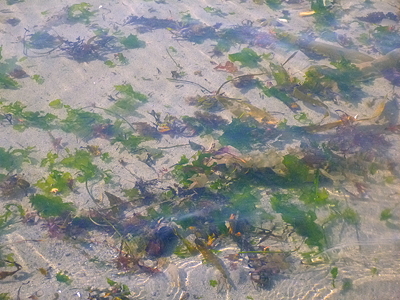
(333,52)
(239,108)
(379,65)
(242,109)
(345,120)
(368,66)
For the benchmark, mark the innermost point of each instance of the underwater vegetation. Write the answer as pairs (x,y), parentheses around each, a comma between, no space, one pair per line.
(259,182)
(97,47)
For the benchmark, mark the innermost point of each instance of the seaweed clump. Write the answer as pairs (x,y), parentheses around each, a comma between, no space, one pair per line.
(92,49)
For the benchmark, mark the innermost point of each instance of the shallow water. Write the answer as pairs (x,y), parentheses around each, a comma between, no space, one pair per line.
(310,171)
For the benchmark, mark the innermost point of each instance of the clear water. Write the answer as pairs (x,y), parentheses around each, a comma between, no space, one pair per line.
(77,61)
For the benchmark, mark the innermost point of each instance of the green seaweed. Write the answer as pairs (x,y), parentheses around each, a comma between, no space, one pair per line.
(130,142)
(51,206)
(205,122)
(63,276)
(214,11)
(374,271)
(57,182)
(386,38)
(285,85)
(334,272)
(106,157)
(241,134)
(132,194)
(303,118)
(27,119)
(117,291)
(281,76)
(274,4)
(110,64)
(127,91)
(118,60)
(183,171)
(303,222)
(6,82)
(12,159)
(314,82)
(80,13)
(213,282)
(123,287)
(314,196)
(39,79)
(347,77)
(350,216)
(386,214)
(82,160)
(220,183)
(50,159)
(128,100)
(297,171)
(10,215)
(82,123)
(132,42)
(5,296)
(247,57)
(347,284)
(56,104)
(323,15)
(245,201)
(282,96)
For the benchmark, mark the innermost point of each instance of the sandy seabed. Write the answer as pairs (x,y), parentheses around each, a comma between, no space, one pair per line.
(91,85)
